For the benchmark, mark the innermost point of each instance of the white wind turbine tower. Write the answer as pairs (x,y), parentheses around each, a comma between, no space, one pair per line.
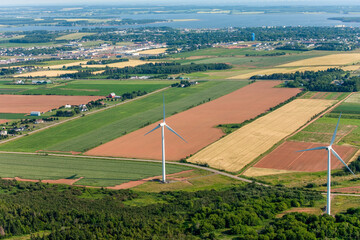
(330,150)
(163,125)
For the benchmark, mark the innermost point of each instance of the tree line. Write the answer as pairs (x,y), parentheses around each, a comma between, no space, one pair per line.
(330,80)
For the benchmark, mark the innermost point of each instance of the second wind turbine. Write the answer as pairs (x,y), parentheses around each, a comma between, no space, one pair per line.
(163,125)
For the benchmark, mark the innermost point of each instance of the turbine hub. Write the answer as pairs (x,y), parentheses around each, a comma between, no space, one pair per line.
(162,124)
(329,147)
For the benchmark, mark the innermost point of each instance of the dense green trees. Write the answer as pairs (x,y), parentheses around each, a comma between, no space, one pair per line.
(330,80)
(163,68)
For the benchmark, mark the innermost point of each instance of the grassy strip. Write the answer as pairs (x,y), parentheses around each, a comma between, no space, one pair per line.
(90,131)
(96,172)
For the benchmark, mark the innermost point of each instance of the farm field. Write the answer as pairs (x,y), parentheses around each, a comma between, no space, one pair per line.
(94,172)
(286,157)
(99,87)
(92,130)
(73,36)
(27,103)
(333,59)
(279,70)
(50,73)
(71,64)
(241,147)
(197,125)
(130,63)
(153,51)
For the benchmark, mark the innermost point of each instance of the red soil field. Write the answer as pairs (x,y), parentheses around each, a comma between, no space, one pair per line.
(285,157)
(41,103)
(197,125)
(4,121)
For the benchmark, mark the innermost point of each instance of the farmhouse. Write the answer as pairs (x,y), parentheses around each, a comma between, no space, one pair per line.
(3,133)
(111,95)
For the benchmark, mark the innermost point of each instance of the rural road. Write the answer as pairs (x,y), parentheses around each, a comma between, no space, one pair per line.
(79,116)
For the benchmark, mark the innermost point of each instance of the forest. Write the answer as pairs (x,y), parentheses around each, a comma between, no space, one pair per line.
(240,212)
(330,80)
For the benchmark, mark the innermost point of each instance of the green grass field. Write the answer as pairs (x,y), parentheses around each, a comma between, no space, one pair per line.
(90,131)
(96,172)
(99,87)
(322,129)
(348,108)
(73,36)
(17,116)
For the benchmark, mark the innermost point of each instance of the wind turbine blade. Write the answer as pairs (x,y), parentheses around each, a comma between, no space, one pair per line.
(175,133)
(153,129)
(338,157)
(310,149)
(334,136)
(164,105)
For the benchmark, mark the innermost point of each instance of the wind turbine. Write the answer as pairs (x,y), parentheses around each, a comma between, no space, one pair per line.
(163,125)
(330,150)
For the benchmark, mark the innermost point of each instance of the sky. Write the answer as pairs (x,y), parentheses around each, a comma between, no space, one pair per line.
(177,2)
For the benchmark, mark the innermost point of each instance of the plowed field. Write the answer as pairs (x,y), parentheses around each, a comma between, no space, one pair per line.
(286,157)
(41,103)
(197,125)
(241,147)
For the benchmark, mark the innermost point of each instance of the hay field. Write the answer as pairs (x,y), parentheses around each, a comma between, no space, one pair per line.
(281,70)
(241,147)
(59,66)
(256,172)
(130,63)
(73,36)
(354,98)
(51,73)
(153,51)
(351,68)
(333,60)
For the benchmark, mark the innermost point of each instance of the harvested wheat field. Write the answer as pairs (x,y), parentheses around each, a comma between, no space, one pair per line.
(41,103)
(197,125)
(130,63)
(256,172)
(51,73)
(67,65)
(286,157)
(351,68)
(241,147)
(280,70)
(153,51)
(329,60)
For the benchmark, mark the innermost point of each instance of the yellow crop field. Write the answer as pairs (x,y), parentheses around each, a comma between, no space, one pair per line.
(51,73)
(256,172)
(130,63)
(98,72)
(72,36)
(58,66)
(351,68)
(282,70)
(329,60)
(261,72)
(153,51)
(235,151)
